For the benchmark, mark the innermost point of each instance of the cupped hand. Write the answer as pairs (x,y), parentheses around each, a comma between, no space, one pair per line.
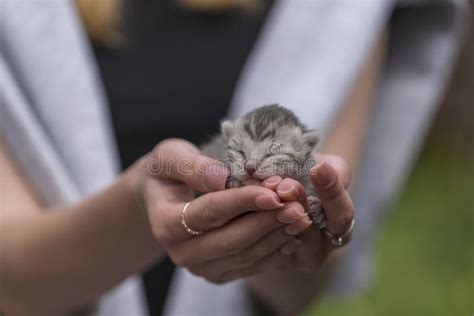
(240,227)
(330,177)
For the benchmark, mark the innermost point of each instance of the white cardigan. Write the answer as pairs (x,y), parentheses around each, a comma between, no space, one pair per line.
(54,118)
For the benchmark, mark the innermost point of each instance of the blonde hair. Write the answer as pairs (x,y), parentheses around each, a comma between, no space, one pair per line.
(221,5)
(103,19)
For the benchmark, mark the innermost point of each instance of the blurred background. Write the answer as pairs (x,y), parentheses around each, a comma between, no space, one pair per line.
(431,226)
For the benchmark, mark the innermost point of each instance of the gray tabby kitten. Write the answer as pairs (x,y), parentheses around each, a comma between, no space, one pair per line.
(267,141)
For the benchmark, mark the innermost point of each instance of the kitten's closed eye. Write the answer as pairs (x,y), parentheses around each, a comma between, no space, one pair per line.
(242,153)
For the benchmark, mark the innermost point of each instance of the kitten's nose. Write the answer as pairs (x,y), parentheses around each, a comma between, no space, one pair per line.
(250,167)
(250,170)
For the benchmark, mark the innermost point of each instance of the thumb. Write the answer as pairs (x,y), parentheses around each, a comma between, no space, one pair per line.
(180,160)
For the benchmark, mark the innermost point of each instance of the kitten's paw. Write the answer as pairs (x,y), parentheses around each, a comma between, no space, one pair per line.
(232,182)
(316,212)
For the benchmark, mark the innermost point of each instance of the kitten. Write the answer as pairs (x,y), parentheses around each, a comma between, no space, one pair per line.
(267,141)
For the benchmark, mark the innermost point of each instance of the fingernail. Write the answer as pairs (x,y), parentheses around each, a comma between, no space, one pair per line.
(322,175)
(291,230)
(301,212)
(290,247)
(285,187)
(273,181)
(307,221)
(267,202)
(287,216)
(215,176)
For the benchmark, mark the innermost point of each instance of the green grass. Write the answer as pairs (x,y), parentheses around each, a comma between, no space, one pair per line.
(424,254)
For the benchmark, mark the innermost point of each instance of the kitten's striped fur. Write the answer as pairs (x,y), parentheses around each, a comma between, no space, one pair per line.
(267,141)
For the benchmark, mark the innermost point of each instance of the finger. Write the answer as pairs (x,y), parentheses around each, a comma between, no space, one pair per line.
(272,182)
(291,213)
(276,261)
(298,227)
(180,160)
(340,165)
(267,245)
(215,209)
(313,252)
(290,247)
(238,274)
(233,238)
(337,204)
(303,260)
(292,190)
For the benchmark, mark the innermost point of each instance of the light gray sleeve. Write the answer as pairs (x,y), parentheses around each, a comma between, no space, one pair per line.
(49,56)
(53,116)
(30,145)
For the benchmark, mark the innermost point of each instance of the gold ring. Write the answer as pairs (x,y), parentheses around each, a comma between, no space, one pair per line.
(183,221)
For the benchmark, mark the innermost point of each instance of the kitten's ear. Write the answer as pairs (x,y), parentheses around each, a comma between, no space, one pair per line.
(311,137)
(227,129)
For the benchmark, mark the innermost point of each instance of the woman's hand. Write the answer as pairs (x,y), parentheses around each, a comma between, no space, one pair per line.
(240,226)
(330,178)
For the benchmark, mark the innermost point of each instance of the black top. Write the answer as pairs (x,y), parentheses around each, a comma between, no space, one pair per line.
(175,78)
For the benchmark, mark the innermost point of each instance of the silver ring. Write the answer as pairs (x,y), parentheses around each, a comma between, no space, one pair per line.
(339,239)
(183,221)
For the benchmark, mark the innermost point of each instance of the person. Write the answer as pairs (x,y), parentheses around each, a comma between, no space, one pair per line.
(74,231)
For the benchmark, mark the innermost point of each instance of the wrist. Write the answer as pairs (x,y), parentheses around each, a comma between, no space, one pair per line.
(132,180)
